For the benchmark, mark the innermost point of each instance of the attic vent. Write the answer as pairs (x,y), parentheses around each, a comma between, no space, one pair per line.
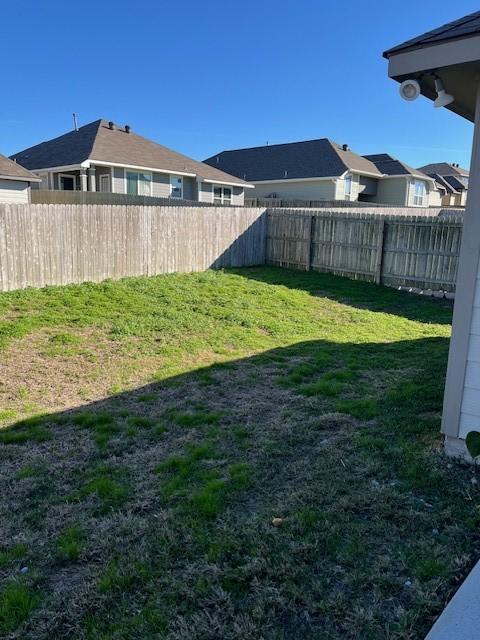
(111,125)
(127,128)
(345,147)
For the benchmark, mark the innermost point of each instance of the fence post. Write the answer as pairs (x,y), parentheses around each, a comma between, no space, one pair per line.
(381,239)
(311,237)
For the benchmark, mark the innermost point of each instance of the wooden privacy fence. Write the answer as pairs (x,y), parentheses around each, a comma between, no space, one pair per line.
(61,244)
(420,252)
(50,196)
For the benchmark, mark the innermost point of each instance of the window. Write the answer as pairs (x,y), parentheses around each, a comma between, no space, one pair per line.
(419,193)
(66,182)
(176,186)
(139,184)
(104,183)
(222,195)
(348,187)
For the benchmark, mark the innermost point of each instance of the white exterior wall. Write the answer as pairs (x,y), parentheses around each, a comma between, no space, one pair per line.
(435,198)
(340,188)
(14,191)
(470,410)
(296,190)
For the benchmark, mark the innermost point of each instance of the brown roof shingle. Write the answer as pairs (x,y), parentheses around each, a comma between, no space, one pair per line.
(13,171)
(97,142)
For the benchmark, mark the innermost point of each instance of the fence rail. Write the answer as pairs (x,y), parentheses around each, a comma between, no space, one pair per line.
(416,251)
(50,196)
(278,203)
(62,244)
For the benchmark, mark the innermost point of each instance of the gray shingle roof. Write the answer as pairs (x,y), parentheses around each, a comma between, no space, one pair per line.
(455,183)
(441,181)
(392,167)
(96,141)
(13,171)
(443,169)
(294,160)
(467,26)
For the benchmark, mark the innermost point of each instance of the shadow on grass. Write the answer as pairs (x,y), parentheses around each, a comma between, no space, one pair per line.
(356,293)
(167,494)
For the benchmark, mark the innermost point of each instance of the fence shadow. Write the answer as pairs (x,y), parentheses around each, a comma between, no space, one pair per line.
(97,467)
(356,293)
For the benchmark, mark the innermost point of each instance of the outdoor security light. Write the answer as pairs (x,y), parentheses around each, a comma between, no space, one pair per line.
(409,90)
(443,98)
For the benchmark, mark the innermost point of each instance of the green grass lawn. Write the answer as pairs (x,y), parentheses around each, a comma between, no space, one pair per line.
(240,455)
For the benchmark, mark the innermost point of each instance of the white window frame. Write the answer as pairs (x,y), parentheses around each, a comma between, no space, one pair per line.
(175,176)
(419,200)
(138,172)
(348,194)
(67,175)
(223,199)
(102,178)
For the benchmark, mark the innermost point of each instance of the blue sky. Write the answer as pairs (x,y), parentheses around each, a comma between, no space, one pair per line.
(201,77)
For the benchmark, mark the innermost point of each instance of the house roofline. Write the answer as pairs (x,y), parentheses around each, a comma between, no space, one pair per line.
(20,178)
(244,185)
(409,175)
(86,164)
(104,163)
(314,179)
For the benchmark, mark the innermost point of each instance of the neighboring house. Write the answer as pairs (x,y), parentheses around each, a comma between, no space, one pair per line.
(15,182)
(453,179)
(402,185)
(453,51)
(324,170)
(102,156)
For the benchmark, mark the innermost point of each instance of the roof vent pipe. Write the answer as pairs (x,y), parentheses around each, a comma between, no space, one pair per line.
(75,122)
(285,174)
(345,147)
(110,125)
(127,128)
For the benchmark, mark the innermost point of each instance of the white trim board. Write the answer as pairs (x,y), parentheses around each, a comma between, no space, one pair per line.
(67,175)
(18,179)
(137,167)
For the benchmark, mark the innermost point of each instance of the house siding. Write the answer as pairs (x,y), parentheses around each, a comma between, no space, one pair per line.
(435,198)
(101,171)
(14,191)
(307,190)
(161,185)
(205,194)
(340,188)
(392,191)
(368,186)
(118,180)
(470,409)
(238,196)
(189,188)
